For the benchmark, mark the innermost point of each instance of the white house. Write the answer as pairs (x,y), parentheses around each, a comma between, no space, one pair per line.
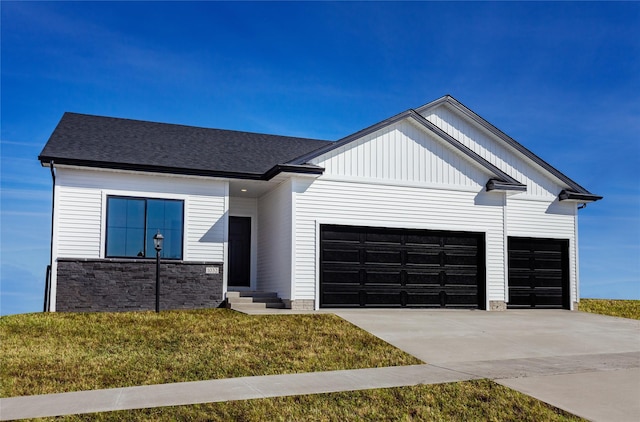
(433,207)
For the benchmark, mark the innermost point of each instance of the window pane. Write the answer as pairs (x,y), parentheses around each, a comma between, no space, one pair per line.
(125,226)
(173,215)
(135,213)
(155,215)
(116,241)
(116,212)
(135,242)
(173,244)
(165,216)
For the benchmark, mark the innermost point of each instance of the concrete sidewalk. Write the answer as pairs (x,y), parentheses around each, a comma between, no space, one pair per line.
(533,376)
(223,390)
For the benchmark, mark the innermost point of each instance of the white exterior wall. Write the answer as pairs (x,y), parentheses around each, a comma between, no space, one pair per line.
(494,151)
(81,217)
(365,204)
(248,207)
(80,212)
(546,219)
(275,222)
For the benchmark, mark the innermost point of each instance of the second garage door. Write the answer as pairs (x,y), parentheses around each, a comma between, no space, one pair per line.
(384,267)
(538,273)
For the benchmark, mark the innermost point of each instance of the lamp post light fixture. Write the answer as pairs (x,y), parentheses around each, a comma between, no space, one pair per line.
(157,244)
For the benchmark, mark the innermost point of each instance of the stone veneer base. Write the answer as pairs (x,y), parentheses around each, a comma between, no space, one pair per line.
(300,304)
(86,285)
(497,305)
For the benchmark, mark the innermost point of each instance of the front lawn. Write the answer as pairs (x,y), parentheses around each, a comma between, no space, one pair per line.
(480,400)
(611,307)
(58,352)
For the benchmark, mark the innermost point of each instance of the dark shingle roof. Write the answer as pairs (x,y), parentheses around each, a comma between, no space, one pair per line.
(97,141)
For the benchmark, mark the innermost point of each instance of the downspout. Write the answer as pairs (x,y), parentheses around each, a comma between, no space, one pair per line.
(47,287)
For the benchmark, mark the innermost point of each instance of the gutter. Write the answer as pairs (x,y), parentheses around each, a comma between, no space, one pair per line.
(47,287)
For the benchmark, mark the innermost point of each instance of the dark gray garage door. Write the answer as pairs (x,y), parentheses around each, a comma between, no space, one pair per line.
(382,267)
(538,273)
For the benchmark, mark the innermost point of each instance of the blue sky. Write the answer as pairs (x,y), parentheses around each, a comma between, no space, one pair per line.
(561,78)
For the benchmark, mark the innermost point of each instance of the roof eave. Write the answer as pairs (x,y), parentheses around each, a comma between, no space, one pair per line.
(47,160)
(571,196)
(306,169)
(268,175)
(497,185)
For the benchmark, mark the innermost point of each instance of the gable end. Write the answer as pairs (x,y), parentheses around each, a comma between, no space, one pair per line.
(499,181)
(506,139)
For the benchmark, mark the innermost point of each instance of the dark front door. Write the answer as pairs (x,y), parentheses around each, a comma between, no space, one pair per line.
(239,251)
(385,267)
(538,273)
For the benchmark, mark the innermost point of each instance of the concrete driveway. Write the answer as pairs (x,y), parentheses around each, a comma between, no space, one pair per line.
(586,364)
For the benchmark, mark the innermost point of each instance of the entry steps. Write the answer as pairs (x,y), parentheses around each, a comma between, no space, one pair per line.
(253,300)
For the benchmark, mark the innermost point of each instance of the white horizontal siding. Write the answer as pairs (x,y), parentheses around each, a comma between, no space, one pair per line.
(243,207)
(494,151)
(205,228)
(402,152)
(79,219)
(80,214)
(541,219)
(332,202)
(275,240)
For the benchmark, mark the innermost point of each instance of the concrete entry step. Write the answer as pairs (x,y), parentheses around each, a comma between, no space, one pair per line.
(253,300)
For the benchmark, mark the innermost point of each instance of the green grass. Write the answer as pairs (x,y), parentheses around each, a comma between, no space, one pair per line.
(481,400)
(617,308)
(52,353)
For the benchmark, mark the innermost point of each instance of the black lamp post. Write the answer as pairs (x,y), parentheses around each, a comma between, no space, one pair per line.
(157,244)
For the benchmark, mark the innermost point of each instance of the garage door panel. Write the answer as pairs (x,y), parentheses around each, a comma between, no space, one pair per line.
(340,255)
(401,267)
(527,300)
(391,278)
(452,241)
(426,257)
(383,238)
(339,299)
(340,234)
(538,273)
(549,281)
(461,259)
(341,276)
(551,263)
(425,239)
(383,257)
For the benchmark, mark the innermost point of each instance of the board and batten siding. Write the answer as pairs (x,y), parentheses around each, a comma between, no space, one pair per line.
(546,219)
(275,216)
(81,210)
(404,153)
(378,205)
(494,151)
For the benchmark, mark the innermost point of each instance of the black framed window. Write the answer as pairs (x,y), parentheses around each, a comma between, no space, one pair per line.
(132,223)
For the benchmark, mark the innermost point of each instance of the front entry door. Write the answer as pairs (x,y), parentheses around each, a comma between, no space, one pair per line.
(239,251)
